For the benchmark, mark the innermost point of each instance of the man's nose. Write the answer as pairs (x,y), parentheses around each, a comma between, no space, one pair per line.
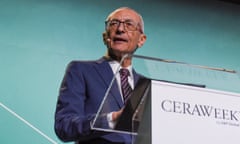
(121,27)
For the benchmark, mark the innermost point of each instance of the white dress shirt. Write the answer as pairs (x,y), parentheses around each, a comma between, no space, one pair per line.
(115,68)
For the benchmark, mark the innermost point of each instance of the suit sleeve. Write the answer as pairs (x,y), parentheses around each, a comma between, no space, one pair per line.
(71,121)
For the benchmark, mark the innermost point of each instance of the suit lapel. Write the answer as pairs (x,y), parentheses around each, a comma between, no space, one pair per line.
(105,71)
(135,77)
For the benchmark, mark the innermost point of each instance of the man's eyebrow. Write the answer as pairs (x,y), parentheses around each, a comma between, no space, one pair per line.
(128,20)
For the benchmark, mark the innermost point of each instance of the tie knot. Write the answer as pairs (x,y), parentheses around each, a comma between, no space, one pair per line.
(124,72)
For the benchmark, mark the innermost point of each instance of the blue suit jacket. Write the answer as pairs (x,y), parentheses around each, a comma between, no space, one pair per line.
(81,93)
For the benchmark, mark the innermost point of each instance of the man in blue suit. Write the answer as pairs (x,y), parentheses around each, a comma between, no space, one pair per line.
(85,83)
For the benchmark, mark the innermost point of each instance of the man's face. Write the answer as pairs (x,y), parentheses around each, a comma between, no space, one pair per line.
(123,32)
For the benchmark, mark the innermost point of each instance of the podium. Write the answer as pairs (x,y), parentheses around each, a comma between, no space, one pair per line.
(186,108)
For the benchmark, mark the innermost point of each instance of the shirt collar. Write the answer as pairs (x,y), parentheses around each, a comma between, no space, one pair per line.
(116,67)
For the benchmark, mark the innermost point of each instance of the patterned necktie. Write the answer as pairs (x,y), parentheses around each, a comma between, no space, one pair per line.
(126,88)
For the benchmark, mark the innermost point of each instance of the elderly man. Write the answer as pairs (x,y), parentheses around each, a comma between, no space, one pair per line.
(85,82)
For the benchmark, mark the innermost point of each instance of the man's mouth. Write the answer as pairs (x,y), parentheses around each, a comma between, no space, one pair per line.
(120,40)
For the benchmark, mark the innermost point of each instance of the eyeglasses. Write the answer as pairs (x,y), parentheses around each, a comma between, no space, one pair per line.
(129,25)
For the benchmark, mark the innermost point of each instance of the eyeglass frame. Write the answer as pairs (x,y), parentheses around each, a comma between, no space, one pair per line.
(136,25)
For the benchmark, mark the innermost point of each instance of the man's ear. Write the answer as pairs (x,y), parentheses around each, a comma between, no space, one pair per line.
(142,40)
(105,37)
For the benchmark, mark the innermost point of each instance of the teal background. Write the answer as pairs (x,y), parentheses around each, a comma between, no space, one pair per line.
(39,38)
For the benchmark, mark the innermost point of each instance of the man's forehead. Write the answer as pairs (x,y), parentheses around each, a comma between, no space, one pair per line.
(124,14)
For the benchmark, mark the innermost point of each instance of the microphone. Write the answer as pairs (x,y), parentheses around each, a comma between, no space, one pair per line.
(123,58)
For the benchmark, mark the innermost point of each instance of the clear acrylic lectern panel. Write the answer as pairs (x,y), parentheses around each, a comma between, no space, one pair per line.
(186,73)
(136,115)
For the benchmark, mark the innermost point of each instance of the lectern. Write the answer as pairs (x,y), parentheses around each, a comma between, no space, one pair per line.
(178,103)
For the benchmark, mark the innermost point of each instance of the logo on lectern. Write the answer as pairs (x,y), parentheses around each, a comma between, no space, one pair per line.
(221,115)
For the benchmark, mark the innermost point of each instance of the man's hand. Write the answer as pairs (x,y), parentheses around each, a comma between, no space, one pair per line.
(116,114)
